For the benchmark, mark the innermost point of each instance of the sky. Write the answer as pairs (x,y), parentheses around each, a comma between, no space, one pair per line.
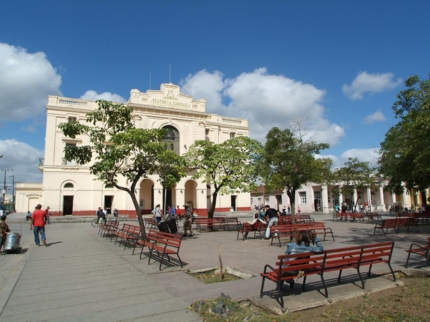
(335,66)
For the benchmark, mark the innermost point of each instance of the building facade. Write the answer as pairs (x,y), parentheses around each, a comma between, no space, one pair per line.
(315,197)
(69,188)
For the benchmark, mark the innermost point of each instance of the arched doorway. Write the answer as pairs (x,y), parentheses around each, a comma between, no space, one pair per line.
(146,198)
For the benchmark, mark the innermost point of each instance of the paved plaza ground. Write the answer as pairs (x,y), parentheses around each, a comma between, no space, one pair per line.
(81,276)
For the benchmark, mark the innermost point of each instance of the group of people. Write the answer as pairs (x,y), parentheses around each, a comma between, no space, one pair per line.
(172,213)
(102,215)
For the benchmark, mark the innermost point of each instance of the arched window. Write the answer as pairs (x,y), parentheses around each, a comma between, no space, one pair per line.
(107,186)
(68,185)
(172,138)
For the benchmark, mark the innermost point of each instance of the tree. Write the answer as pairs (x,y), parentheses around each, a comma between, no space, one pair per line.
(229,167)
(406,149)
(288,162)
(119,149)
(354,176)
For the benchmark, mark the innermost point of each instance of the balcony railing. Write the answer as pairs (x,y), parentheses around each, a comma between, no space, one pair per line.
(71,163)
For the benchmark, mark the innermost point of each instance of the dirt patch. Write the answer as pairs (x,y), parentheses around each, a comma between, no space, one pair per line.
(408,303)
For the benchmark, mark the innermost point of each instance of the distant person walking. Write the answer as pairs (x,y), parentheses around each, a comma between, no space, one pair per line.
(37,224)
(115,215)
(188,216)
(48,215)
(157,214)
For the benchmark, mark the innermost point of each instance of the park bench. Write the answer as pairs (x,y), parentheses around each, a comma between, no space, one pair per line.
(395,224)
(290,231)
(104,225)
(255,228)
(333,260)
(127,235)
(305,219)
(164,244)
(419,250)
(317,227)
(110,228)
(373,216)
(149,223)
(421,218)
(231,223)
(208,223)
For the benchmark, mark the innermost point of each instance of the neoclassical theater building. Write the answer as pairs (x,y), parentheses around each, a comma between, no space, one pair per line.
(70,189)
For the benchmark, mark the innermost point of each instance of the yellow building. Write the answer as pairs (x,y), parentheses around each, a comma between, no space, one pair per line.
(69,188)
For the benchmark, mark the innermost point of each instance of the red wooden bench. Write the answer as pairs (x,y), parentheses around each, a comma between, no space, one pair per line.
(103,226)
(231,223)
(419,250)
(395,224)
(164,244)
(127,235)
(332,260)
(110,229)
(290,231)
(303,219)
(208,223)
(246,228)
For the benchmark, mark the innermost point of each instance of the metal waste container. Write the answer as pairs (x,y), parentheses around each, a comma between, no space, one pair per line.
(12,243)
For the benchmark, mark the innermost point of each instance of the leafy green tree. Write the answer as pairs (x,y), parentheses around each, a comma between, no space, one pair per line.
(229,167)
(356,176)
(288,162)
(118,149)
(406,149)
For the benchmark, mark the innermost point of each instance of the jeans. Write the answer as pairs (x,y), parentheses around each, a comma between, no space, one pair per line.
(36,231)
(157,219)
(272,222)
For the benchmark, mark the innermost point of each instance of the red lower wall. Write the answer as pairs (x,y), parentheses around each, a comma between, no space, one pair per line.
(132,213)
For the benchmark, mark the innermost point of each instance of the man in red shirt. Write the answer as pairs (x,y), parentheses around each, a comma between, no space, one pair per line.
(38,223)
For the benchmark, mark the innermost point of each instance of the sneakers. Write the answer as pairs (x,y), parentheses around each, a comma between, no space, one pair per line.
(44,243)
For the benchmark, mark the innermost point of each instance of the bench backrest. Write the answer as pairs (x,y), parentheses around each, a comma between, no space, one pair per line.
(304,262)
(169,239)
(131,229)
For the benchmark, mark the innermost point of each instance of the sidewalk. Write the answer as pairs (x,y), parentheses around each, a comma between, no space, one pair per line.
(81,276)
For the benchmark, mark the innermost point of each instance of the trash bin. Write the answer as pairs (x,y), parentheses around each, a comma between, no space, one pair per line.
(12,243)
(172,226)
(164,227)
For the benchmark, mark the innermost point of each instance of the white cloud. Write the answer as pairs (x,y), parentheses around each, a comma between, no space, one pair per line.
(375,117)
(363,155)
(370,83)
(206,85)
(265,100)
(26,80)
(24,160)
(91,95)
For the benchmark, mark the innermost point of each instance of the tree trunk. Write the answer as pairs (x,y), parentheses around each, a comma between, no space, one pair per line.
(292,195)
(212,208)
(139,215)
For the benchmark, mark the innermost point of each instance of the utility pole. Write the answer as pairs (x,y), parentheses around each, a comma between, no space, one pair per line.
(13,192)
(4,185)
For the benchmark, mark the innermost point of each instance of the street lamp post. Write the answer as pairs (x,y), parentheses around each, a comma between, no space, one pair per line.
(13,192)
(4,184)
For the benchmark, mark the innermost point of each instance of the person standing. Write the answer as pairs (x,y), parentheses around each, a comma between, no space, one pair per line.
(188,216)
(273,217)
(2,208)
(48,216)
(178,211)
(157,214)
(4,229)
(100,215)
(115,215)
(37,224)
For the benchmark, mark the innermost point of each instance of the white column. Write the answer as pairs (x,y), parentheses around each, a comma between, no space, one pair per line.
(406,203)
(393,197)
(324,199)
(381,198)
(369,199)
(354,196)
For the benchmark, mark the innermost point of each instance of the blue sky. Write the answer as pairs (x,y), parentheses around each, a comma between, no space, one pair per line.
(337,65)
